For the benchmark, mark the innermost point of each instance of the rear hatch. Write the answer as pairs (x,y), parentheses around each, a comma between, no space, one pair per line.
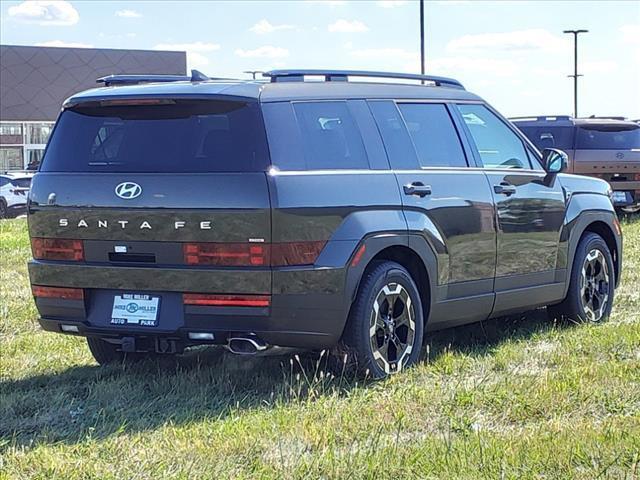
(610,150)
(155,194)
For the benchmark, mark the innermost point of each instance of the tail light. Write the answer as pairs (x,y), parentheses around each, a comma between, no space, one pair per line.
(252,254)
(226,254)
(57,292)
(57,249)
(226,300)
(295,253)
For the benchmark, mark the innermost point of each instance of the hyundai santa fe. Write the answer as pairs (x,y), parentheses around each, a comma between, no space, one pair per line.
(312,210)
(607,148)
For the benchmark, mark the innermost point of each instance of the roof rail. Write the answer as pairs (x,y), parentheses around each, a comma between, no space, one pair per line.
(342,76)
(111,80)
(605,117)
(543,118)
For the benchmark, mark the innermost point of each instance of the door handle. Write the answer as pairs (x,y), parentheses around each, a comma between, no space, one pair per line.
(417,188)
(505,188)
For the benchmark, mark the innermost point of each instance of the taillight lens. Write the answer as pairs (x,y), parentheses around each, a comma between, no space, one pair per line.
(57,249)
(226,300)
(57,292)
(226,254)
(252,254)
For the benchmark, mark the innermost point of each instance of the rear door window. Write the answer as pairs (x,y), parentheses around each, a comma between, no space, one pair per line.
(497,144)
(173,136)
(433,134)
(608,137)
(330,136)
(397,142)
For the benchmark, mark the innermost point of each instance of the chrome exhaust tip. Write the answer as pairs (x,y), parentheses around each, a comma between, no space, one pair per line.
(246,345)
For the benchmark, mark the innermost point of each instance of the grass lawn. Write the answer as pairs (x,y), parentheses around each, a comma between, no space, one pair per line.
(517,397)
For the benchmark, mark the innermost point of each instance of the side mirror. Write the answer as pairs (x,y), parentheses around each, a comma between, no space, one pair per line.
(554,160)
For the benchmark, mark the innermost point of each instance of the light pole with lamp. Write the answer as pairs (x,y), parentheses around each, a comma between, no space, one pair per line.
(575,75)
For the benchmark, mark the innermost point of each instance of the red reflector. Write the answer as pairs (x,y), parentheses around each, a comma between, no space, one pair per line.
(226,254)
(57,249)
(57,292)
(226,300)
(295,253)
(358,256)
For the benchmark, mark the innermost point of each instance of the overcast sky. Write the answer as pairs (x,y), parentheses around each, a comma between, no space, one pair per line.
(512,53)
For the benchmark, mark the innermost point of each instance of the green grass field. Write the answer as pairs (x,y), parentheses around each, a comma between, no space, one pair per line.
(519,397)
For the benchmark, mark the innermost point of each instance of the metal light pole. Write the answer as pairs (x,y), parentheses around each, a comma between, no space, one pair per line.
(253,73)
(422,38)
(575,68)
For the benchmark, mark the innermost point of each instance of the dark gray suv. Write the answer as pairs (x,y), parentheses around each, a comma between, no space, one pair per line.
(333,214)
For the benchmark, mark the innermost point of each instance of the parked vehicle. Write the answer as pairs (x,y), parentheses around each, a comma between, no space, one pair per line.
(14,188)
(335,214)
(603,147)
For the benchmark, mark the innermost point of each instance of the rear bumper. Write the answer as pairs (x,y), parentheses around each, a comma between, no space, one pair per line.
(307,310)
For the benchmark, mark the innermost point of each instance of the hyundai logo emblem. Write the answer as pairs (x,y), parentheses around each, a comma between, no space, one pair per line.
(128,190)
(619,155)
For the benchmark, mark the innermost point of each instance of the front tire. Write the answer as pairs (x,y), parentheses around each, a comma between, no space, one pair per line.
(590,295)
(385,327)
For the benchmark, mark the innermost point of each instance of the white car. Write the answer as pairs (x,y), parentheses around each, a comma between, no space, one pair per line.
(14,189)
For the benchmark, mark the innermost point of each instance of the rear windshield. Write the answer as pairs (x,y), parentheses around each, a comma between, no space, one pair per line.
(608,137)
(21,182)
(549,137)
(173,136)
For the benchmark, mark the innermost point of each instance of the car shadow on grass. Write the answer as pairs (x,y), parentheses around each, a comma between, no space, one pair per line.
(95,402)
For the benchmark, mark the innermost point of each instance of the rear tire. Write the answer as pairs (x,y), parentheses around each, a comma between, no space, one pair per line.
(385,328)
(592,284)
(4,211)
(106,353)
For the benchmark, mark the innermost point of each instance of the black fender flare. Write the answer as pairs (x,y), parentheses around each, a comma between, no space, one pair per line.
(377,242)
(576,228)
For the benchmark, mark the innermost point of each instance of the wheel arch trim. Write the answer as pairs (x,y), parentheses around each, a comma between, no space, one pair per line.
(586,222)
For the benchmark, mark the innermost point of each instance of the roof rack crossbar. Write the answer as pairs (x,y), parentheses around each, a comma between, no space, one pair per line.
(342,76)
(114,80)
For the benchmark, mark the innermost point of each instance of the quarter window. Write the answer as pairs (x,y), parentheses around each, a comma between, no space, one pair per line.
(498,145)
(330,136)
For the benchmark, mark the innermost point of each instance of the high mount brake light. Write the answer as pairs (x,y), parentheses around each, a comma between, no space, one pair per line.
(57,292)
(123,102)
(252,254)
(57,249)
(211,300)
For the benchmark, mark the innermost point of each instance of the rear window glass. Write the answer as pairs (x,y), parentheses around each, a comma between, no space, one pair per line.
(549,137)
(21,182)
(180,136)
(397,143)
(608,137)
(434,136)
(330,136)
